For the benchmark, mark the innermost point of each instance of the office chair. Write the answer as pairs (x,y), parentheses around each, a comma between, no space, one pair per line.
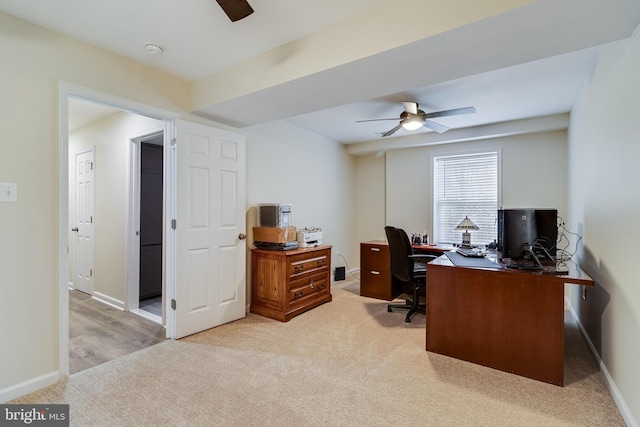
(407,267)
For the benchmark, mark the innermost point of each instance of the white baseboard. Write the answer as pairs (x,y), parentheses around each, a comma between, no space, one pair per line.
(26,387)
(613,389)
(106,299)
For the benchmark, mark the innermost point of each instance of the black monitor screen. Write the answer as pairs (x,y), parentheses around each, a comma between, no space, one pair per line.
(516,231)
(546,231)
(521,229)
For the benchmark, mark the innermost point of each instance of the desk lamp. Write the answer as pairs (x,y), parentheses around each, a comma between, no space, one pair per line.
(466,224)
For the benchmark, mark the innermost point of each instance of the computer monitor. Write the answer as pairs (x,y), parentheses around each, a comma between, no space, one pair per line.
(522,230)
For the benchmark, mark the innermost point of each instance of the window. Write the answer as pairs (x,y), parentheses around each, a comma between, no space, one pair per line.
(465,185)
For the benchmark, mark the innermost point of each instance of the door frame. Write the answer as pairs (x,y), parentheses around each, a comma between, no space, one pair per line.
(132,252)
(66,90)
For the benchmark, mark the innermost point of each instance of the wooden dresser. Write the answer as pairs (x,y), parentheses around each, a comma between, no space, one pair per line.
(287,283)
(375,271)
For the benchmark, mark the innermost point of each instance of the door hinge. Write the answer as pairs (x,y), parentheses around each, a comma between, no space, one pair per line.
(173,224)
(173,143)
(173,304)
(91,219)
(91,272)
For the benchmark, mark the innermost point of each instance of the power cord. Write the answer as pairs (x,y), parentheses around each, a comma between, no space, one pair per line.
(565,255)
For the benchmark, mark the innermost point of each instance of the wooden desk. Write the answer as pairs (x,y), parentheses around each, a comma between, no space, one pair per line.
(506,319)
(376,280)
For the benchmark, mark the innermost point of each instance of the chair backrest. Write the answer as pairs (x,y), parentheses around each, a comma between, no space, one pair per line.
(400,249)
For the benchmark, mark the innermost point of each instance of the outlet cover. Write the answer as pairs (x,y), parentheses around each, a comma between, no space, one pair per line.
(8,192)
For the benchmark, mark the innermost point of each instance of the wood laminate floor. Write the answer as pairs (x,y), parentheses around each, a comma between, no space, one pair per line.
(99,333)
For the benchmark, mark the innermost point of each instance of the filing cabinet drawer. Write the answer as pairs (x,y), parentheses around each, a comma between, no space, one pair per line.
(375,272)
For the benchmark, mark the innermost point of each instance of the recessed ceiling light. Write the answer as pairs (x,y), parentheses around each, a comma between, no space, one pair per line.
(153,49)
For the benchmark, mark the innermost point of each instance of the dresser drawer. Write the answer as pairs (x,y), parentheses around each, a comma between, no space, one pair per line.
(308,287)
(302,266)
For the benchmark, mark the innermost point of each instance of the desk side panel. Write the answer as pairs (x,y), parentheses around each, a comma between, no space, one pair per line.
(513,322)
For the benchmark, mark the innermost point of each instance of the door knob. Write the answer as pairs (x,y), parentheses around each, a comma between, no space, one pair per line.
(74,229)
(242,236)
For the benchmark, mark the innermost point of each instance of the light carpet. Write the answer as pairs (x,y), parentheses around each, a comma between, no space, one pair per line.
(345,363)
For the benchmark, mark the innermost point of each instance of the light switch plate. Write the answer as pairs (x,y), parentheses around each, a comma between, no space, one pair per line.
(8,192)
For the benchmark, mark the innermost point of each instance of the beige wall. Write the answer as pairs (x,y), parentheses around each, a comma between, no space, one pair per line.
(34,60)
(285,163)
(533,175)
(111,140)
(604,204)
(370,198)
(288,164)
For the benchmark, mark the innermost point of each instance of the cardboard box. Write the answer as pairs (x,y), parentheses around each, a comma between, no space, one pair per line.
(274,234)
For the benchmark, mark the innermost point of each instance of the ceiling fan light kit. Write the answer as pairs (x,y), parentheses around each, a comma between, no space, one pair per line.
(412,118)
(413,123)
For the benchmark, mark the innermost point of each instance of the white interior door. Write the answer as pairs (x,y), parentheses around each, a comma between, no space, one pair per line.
(84,210)
(210,228)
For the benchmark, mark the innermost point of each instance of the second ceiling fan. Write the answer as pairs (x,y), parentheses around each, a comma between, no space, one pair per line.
(236,9)
(413,118)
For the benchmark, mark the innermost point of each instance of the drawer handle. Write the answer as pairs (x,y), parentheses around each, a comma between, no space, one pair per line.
(375,249)
(321,263)
(322,286)
(298,268)
(375,272)
(297,294)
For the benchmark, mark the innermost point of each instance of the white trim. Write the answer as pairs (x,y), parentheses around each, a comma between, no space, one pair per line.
(65,90)
(110,301)
(26,387)
(150,316)
(613,389)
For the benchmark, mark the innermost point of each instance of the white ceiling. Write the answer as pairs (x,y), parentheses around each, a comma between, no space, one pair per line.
(527,63)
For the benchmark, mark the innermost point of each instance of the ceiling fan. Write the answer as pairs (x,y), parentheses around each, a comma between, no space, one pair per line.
(235,9)
(413,118)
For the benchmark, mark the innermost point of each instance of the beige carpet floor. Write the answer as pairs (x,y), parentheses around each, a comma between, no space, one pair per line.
(345,363)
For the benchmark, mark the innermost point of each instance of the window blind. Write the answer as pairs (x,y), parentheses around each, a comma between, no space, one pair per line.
(466,185)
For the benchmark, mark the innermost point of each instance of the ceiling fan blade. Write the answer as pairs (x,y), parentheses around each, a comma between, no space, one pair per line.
(392,131)
(454,112)
(374,120)
(410,107)
(235,9)
(435,126)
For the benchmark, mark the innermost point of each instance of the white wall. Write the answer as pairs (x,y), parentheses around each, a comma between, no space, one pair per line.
(604,205)
(111,140)
(288,164)
(533,175)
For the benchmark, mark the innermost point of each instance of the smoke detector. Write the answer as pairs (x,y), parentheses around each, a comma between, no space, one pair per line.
(153,49)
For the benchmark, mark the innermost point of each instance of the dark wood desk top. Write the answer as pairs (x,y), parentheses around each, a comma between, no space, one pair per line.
(575,274)
(432,248)
(418,248)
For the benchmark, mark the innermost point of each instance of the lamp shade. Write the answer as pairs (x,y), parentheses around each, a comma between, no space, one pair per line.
(466,224)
